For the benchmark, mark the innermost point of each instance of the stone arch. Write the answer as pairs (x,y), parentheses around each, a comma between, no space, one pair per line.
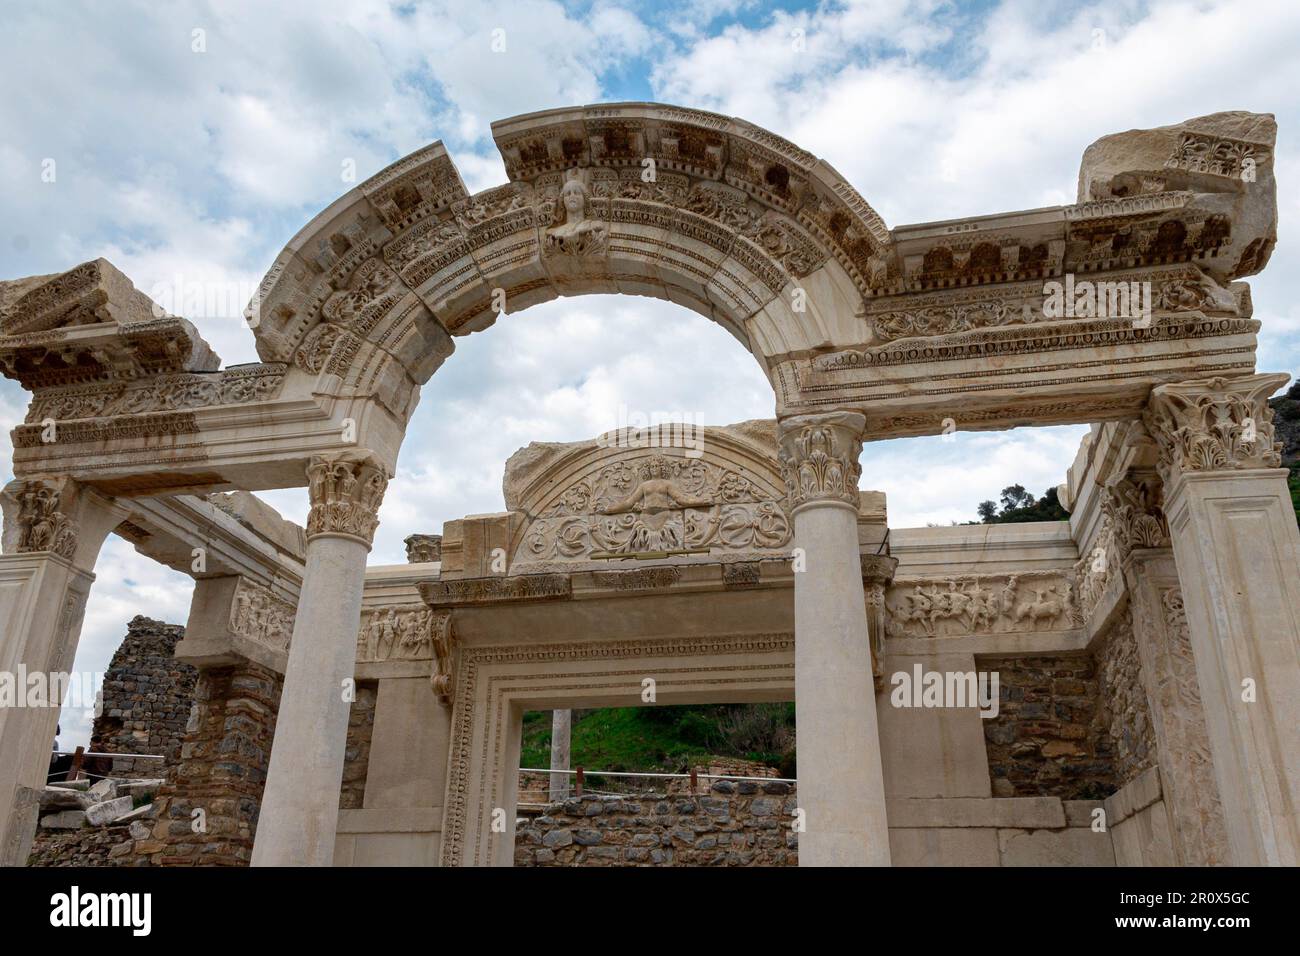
(714,213)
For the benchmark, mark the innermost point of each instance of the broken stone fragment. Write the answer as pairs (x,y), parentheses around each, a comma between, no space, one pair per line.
(59,798)
(1225,160)
(109,811)
(105,789)
(66,820)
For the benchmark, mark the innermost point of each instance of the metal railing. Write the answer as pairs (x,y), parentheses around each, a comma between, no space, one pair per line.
(580,774)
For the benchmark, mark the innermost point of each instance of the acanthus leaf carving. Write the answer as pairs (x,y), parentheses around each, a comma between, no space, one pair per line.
(819,457)
(43,524)
(346,490)
(1217,424)
(1133,505)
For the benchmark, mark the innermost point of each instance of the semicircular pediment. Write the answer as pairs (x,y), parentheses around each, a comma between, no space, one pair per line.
(653,494)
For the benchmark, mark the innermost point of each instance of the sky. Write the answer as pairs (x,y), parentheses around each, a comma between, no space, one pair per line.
(190,141)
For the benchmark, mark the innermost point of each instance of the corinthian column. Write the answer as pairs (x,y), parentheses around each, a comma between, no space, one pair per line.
(841,786)
(1237,550)
(53,530)
(300,806)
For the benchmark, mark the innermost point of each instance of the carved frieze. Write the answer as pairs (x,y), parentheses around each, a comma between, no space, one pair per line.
(346,490)
(1097,568)
(519,587)
(1215,424)
(257,614)
(236,386)
(402,632)
(981,604)
(1175,290)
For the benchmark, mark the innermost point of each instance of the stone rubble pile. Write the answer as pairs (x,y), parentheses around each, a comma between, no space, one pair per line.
(74,804)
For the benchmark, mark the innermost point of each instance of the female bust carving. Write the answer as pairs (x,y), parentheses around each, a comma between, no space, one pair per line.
(574,233)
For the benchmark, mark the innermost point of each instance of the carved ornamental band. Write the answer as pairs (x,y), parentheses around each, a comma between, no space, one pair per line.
(1218,424)
(346,491)
(819,457)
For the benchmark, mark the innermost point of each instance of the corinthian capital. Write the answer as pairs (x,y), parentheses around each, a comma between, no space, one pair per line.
(1133,504)
(43,517)
(1217,424)
(819,457)
(346,490)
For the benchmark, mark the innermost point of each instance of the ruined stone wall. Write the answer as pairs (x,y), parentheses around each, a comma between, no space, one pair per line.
(222,772)
(89,846)
(737,823)
(1049,738)
(1124,711)
(356,759)
(147,695)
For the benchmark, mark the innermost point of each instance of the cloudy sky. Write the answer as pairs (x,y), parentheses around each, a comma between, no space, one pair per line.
(191,140)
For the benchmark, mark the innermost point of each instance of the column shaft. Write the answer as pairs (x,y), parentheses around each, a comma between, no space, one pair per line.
(300,806)
(841,783)
(561,733)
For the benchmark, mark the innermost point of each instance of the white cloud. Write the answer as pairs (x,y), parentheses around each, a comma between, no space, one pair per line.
(174,163)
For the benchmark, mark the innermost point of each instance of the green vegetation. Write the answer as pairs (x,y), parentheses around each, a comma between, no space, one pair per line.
(1019,505)
(668,739)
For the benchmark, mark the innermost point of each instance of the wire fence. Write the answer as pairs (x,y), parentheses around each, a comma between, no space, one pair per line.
(76,770)
(582,785)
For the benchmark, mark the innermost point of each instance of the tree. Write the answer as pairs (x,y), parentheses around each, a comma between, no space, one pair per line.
(988,510)
(1014,497)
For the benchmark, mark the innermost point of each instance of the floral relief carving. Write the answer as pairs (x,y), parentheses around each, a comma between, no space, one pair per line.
(42,525)
(1215,424)
(819,458)
(662,504)
(346,491)
(372,283)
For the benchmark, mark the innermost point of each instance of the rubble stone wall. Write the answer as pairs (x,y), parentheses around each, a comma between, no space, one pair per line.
(147,695)
(736,823)
(1124,710)
(1049,738)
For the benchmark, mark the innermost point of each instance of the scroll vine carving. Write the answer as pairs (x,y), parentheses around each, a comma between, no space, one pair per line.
(663,504)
